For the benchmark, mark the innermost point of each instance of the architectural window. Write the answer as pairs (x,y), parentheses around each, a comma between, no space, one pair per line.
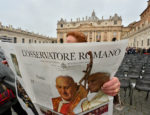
(29,40)
(34,41)
(61,25)
(96,36)
(15,40)
(148,42)
(142,43)
(114,39)
(115,22)
(61,40)
(22,40)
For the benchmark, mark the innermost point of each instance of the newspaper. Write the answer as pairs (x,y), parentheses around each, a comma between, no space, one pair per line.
(64,78)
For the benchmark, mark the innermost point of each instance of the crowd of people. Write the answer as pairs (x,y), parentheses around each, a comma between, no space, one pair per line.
(134,50)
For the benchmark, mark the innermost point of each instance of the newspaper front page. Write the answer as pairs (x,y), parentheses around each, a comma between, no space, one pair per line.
(64,78)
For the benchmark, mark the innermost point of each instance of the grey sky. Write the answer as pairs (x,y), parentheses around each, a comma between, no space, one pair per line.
(41,16)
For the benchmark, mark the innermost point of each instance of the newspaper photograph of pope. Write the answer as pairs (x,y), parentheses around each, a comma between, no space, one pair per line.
(66,78)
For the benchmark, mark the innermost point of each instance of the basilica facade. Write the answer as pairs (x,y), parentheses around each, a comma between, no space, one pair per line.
(111,29)
(95,29)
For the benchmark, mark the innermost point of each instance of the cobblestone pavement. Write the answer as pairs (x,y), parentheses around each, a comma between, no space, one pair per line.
(139,106)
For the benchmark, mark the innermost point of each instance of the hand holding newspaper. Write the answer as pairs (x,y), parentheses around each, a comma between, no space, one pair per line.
(64,78)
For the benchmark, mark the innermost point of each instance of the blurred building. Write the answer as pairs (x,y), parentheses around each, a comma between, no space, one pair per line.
(10,34)
(139,34)
(96,29)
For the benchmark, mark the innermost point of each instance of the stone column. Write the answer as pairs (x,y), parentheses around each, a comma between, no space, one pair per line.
(95,36)
(58,38)
(109,36)
(88,38)
(102,36)
(64,37)
(105,36)
(118,35)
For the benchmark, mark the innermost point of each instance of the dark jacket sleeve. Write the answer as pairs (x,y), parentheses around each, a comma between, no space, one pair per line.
(7,76)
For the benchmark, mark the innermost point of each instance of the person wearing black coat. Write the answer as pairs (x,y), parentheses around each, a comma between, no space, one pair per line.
(8,79)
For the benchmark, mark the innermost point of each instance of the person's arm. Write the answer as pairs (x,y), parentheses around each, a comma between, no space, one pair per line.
(111,87)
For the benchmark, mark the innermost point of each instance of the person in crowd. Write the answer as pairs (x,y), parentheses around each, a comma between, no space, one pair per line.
(111,87)
(148,50)
(144,51)
(7,74)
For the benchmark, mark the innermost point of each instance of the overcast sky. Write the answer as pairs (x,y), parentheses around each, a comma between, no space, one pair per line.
(41,16)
